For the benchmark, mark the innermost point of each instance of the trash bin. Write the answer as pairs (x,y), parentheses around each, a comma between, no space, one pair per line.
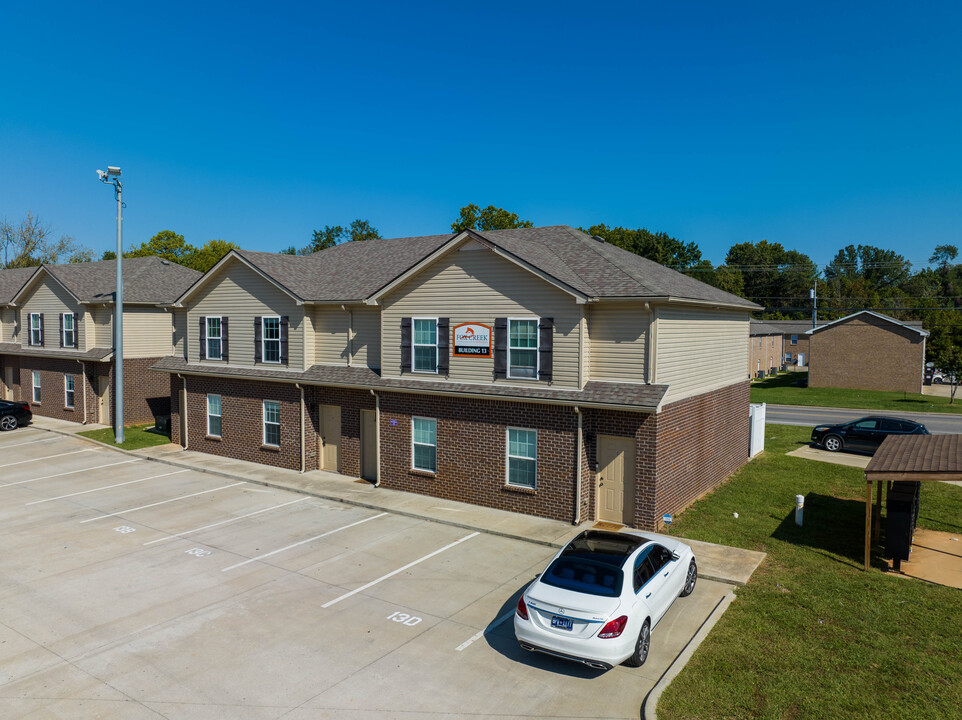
(902,512)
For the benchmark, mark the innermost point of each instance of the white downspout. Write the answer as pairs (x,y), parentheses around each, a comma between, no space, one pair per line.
(303,450)
(580,441)
(83,380)
(377,448)
(183,410)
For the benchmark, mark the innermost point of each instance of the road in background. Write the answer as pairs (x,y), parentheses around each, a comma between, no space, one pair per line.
(937,423)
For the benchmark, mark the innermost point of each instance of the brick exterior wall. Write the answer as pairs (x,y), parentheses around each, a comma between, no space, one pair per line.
(800,348)
(52,397)
(146,391)
(867,353)
(701,441)
(351,403)
(765,353)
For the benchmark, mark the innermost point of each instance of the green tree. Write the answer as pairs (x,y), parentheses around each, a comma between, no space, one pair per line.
(943,255)
(773,276)
(472,217)
(720,277)
(363,230)
(166,244)
(330,236)
(109,255)
(660,247)
(206,256)
(289,250)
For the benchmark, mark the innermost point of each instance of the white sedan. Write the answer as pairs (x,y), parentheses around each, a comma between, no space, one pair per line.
(601,595)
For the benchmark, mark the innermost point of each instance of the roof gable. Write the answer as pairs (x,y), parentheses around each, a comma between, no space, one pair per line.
(879,319)
(37,278)
(248,259)
(12,281)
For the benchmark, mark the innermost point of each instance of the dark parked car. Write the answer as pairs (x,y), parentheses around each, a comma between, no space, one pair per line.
(865,434)
(13,414)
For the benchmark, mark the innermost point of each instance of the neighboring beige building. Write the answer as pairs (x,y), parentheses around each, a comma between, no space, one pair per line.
(765,349)
(867,351)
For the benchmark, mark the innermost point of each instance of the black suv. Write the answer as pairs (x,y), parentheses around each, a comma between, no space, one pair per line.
(865,434)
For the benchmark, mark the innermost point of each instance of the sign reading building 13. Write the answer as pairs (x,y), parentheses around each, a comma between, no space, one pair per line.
(472,340)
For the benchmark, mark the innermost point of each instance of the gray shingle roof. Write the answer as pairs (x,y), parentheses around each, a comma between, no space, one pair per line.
(146,280)
(758,327)
(629,396)
(920,454)
(799,327)
(356,270)
(11,281)
(97,353)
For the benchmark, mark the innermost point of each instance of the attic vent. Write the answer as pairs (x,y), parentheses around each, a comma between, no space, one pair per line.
(599,238)
(165,262)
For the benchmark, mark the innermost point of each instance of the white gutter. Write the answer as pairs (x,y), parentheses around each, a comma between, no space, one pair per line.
(183,410)
(83,380)
(577,519)
(377,448)
(303,450)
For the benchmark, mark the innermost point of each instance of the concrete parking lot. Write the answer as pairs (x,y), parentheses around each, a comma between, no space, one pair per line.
(134,589)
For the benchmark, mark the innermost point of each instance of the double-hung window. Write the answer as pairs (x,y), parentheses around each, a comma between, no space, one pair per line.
(522,457)
(271,339)
(36,329)
(424,441)
(36,386)
(425,345)
(214,348)
(794,339)
(68,389)
(522,348)
(213,416)
(272,423)
(69,331)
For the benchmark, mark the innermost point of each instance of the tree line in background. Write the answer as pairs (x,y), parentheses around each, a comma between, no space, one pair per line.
(859,277)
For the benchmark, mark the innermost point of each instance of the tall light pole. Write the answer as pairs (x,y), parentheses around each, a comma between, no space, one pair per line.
(112,177)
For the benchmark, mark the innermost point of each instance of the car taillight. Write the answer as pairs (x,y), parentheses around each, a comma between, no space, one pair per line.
(522,609)
(614,628)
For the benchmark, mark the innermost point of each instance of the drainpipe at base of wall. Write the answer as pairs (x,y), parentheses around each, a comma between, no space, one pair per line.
(183,410)
(377,442)
(303,461)
(83,380)
(579,445)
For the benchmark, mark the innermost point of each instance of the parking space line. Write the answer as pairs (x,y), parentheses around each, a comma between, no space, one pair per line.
(303,542)
(489,628)
(69,472)
(105,487)
(31,442)
(162,502)
(224,522)
(399,570)
(48,457)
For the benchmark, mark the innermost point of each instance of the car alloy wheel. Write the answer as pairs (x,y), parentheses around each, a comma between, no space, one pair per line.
(8,422)
(833,443)
(690,580)
(640,654)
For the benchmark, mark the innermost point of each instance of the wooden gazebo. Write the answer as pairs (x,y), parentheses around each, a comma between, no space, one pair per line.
(911,458)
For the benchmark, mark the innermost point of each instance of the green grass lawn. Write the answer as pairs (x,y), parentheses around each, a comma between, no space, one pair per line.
(135,436)
(782,389)
(812,635)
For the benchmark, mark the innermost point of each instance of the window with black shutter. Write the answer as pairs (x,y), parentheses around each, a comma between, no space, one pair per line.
(500,347)
(258,353)
(223,339)
(43,339)
(406,344)
(203,338)
(545,348)
(443,354)
(61,330)
(285,324)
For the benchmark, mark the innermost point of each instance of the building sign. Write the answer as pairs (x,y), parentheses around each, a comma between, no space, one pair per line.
(472,340)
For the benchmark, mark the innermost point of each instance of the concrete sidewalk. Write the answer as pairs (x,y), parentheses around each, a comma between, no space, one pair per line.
(715,562)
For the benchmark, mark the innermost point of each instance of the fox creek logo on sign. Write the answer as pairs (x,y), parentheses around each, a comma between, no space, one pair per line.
(472,340)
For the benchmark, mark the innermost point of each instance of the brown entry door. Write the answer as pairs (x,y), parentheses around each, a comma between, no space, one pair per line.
(368,445)
(8,384)
(616,479)
(330,437)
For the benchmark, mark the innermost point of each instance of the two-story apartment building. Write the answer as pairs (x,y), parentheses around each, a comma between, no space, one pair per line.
(57,340)
(536,370)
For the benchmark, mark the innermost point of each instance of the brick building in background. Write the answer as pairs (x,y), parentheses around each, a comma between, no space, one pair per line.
(57,341)
(765,355)
(536,370)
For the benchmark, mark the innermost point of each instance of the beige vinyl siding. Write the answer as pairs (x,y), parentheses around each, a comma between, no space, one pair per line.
(180,332)
(8,325)
(698,350)
(585,347)
(477,285)
(103,317)
(366,345)
(330,335)
(50,298)
(310,339)
(241,294)
(148,332)
(617,333)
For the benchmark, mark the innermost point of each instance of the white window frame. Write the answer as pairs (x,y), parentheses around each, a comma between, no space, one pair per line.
(38,330)
(219,338)
(415,345)
(72,330)
(414,444)
(536,348)
(37,395)
(508,456)
(265,423)
(68,393)
(794,340)
(219,416)
(265,340)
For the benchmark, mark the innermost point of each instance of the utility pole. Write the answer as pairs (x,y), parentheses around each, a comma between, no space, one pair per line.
(813,293)
(112,177)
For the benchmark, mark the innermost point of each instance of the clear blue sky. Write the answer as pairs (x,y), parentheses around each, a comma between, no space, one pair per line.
(814,125)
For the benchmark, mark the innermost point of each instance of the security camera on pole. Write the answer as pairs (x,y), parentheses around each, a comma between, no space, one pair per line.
(112,177)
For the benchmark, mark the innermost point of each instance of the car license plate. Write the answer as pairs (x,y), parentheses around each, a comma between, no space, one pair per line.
(562,623)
